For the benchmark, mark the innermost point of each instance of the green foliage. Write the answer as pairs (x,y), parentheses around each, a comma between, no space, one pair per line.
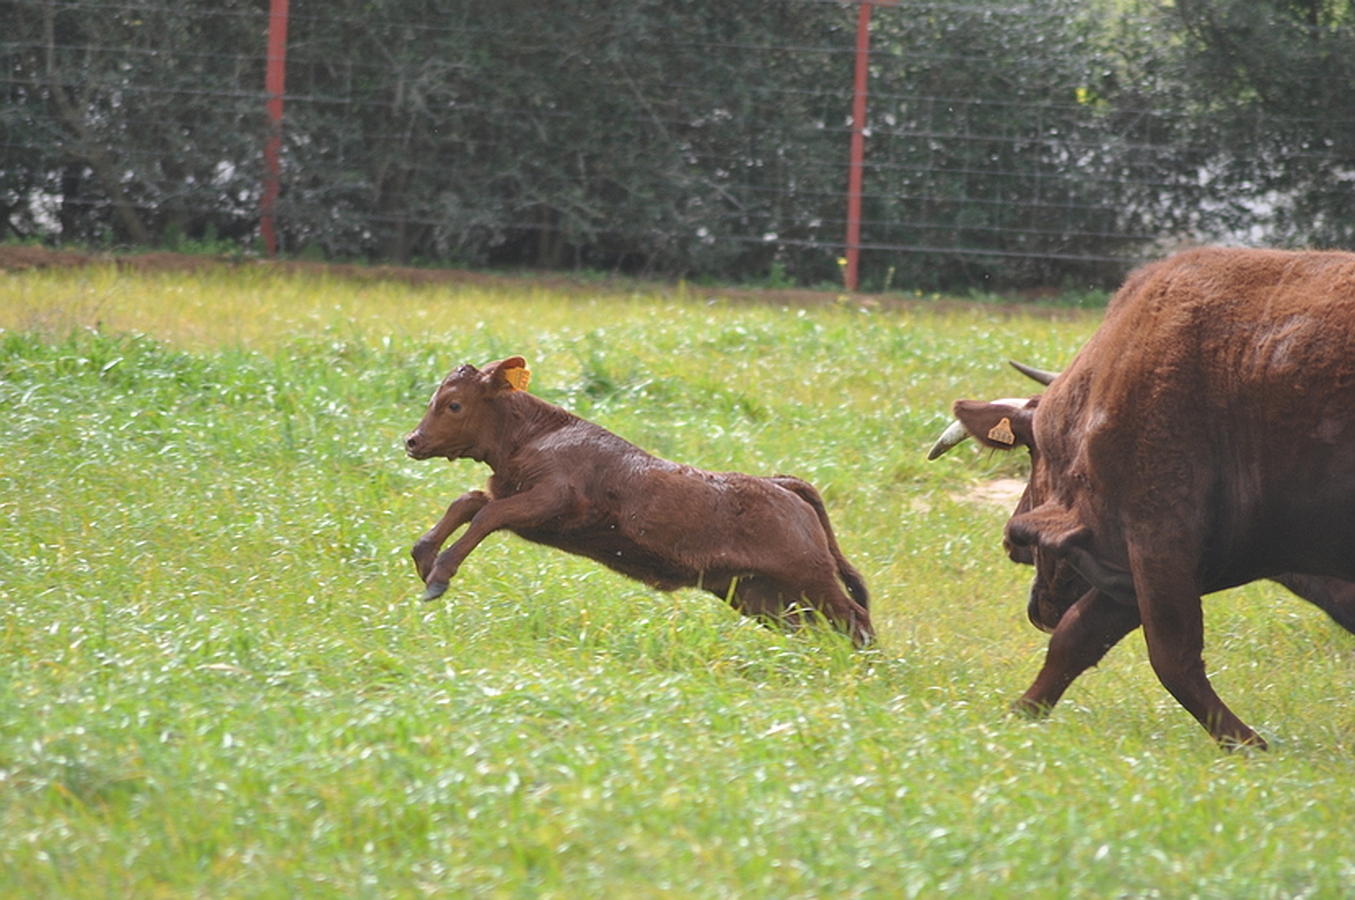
(215,679)
(1266,75)
(1010,144)
(133,144)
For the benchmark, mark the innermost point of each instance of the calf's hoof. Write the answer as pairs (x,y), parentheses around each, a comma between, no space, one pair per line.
(434,590)
(863,637)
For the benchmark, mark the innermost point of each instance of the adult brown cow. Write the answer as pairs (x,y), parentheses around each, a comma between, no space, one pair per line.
(1203,438)
(764,544)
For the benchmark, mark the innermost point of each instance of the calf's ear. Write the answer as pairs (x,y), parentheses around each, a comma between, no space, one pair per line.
(1002,424)
(511,373)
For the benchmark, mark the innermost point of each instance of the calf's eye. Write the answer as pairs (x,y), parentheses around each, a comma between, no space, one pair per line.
(454,406)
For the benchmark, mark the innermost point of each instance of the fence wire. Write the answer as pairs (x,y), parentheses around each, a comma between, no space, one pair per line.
(1007,143)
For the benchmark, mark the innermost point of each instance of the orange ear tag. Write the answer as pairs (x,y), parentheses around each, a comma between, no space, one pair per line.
(1002,432)
(518,378)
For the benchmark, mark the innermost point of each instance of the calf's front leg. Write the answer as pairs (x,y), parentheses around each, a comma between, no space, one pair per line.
(518,511)
(461,511)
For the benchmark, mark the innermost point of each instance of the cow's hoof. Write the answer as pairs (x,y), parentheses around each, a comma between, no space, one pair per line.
(1026,708)
(1244,743)
(434,590)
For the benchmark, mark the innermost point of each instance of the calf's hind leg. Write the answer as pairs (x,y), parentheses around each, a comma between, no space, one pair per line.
(758,598)
(772,602)
(827,597)
(761,598)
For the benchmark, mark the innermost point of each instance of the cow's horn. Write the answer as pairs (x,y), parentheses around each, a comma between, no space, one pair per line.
(954,434)
(1039,375)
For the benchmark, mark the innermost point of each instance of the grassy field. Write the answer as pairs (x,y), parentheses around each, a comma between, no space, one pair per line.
(216,681)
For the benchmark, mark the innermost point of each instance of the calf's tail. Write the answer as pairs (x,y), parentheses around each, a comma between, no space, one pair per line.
(856,585)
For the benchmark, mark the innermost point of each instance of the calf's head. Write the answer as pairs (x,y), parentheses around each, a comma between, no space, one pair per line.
(462,417)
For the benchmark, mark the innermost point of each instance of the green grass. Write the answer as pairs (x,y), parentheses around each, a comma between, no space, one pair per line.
(217,681)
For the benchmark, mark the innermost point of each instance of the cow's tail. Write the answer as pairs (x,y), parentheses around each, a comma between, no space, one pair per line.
(856,585)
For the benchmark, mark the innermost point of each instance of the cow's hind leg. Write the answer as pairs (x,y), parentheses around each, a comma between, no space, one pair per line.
(1173,628)
(1334,596)
(1089,628)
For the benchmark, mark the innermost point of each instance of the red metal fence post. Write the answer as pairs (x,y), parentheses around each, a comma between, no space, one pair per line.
(856,165)
(275,77)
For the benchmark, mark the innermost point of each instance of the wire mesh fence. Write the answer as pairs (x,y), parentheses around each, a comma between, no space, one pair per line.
(1006,143)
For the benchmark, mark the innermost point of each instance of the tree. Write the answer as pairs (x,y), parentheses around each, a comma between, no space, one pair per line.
(1267,83)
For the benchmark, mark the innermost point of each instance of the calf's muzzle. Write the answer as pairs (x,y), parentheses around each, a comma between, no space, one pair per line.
(412,448)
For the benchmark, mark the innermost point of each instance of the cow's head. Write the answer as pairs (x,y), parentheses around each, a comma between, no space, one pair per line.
(462,417)
(1005,425)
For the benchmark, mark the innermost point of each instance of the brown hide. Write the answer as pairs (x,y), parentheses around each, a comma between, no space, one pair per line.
(764,544)
(1203,438)
(1215,406)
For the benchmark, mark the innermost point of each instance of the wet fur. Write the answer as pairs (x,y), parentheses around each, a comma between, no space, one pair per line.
(764,544)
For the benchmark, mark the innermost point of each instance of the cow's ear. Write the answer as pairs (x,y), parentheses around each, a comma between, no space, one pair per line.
(510,373)
(1050,526)
(1002,424)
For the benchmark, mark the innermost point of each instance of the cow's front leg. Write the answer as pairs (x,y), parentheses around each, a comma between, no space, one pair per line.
(461,511)
(1173,628)
(518,511)
(1090,627)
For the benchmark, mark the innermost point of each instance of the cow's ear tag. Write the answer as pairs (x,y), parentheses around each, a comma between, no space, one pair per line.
(1002,432)
(518,379)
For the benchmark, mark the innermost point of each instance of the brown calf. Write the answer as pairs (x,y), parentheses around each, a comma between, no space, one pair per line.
(764,544)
